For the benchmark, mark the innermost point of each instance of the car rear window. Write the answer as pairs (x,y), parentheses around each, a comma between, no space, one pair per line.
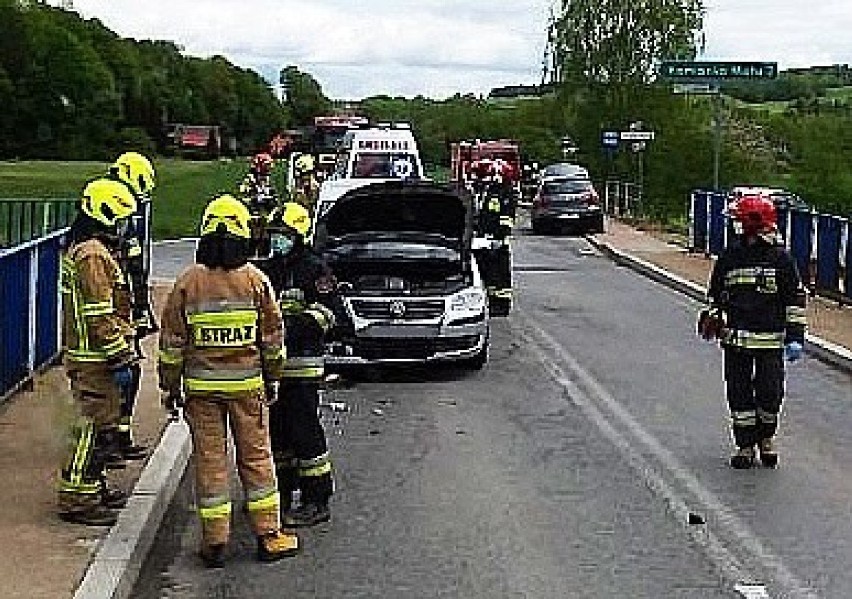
(575,186)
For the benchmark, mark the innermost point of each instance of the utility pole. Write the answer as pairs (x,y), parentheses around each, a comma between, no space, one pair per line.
(717,136)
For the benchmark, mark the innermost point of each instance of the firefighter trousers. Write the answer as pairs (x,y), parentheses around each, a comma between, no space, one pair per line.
(93,435)
(128,407)
(299,443)
(754,383)
(245,414)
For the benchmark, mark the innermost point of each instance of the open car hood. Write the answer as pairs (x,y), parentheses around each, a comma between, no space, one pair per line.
(406,210)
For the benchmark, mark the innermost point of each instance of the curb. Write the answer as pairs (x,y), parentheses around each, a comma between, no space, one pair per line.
(113,571)
(825,351)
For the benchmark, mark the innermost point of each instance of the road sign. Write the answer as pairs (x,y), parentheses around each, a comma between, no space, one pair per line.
(637,135)
(609,139)
(681,70)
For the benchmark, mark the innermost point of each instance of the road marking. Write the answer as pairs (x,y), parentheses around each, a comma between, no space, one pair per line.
(605,412)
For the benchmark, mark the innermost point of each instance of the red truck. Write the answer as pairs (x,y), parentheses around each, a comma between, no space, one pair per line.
(465,153)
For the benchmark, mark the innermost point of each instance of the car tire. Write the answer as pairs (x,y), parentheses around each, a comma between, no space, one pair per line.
(598,226)
(479,361)
(537,227)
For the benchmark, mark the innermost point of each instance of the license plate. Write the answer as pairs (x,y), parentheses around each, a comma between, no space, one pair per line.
(568,216)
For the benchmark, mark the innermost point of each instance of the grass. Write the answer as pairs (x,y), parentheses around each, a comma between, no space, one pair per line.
(183,187)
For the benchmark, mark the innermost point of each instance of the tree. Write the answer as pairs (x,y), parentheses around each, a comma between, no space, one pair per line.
(621,41)
(304,96)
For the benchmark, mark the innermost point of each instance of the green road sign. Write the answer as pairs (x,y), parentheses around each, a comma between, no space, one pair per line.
(682,71)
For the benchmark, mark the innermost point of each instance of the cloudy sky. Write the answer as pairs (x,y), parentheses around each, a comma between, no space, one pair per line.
(436,48)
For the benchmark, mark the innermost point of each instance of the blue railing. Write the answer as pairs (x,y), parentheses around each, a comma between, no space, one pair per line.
(29,309)
(819,243)
(26,219)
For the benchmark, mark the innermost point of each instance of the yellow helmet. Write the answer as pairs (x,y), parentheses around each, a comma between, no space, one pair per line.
(135,170)
(304,164)
(226,214)
(108,201)
(292,216)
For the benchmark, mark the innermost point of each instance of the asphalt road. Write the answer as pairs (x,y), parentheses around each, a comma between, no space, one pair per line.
(571,466)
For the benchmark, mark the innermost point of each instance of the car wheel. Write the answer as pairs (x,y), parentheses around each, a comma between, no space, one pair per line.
(599,225)
(537,227)
(479,361)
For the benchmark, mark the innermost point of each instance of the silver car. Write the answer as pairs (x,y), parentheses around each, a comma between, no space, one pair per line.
(410,288)
(563,203)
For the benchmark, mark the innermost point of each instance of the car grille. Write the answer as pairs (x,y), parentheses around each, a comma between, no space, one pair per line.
(390,309)
(392,348)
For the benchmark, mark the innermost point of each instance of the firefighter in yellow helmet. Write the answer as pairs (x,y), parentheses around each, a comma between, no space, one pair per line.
(305,289)
(99,361)
(306,190)
(220,343)
(137,172)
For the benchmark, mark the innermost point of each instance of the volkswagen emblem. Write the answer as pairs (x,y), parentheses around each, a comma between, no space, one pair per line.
(397,309)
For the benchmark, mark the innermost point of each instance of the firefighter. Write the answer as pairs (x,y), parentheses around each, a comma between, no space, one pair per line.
(757,311)
(221,344)
(306,188)
(99,360)
(494,222)
(256,188)
(137,172)
(304,287)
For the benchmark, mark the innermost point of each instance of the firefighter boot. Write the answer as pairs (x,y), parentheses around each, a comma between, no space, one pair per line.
(277,545)
(307,514)
(213,556)
(96,515)
(768,453)
(743,459)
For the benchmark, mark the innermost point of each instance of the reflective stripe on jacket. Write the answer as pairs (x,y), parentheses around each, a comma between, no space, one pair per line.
(221,333)
(96,319)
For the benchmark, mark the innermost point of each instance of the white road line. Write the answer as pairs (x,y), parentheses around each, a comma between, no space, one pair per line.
(606,413)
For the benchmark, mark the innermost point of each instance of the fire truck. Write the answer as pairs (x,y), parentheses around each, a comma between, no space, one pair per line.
(465,153)
(322,141)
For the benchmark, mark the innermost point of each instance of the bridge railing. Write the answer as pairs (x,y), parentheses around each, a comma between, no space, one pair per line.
(819,243)
(31,237)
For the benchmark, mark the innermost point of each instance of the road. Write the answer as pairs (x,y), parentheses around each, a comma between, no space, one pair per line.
(571,466)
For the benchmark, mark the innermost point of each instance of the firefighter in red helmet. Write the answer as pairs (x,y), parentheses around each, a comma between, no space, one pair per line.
(757,312)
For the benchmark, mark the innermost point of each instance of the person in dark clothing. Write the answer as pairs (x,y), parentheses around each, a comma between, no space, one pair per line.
(304,287)
(757,311)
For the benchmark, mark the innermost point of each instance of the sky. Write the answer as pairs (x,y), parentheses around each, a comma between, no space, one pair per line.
(436,48)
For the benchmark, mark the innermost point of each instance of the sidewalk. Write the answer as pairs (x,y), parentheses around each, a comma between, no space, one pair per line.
(42,557)
(826,319)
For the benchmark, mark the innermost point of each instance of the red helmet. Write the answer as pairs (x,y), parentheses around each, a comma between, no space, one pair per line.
(262,163)
(756,214)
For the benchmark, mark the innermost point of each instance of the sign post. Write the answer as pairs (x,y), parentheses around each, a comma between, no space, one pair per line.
(708,75)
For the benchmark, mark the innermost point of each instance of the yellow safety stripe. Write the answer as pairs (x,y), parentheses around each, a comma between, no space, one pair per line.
(82,452)
(317,461)
(750,340)
(171,357)
(79,488)
(796,315)
(767,417)
(97,308)
(502,293)
(215,512)
(134,251)
(320,318)
(316,470)
(233,318)
(291,307)
(99,355)
(269,503)
(69,272)
(273,353)
(233,386)
(302,373)
(494,205)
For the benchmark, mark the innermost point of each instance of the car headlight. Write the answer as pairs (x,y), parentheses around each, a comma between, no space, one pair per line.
(468,301)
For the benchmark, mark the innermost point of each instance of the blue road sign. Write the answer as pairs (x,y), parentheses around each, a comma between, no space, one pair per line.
(609,139)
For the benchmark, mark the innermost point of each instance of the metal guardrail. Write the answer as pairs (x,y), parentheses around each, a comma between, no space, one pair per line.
(820,243)
(29,309)
(26,219)
(622,199)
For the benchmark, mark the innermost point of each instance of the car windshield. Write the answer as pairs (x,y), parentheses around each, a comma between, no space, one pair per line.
(385,165)
(572,186)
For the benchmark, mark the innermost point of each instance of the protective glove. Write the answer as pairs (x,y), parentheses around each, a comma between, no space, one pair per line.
(123,378)
(793,351)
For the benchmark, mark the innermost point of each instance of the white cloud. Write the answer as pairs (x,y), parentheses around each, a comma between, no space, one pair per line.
(440,47)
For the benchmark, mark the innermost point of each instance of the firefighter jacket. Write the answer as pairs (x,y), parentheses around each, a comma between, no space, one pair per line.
(221,333)
(758,289)
(305,289)
(96,307)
